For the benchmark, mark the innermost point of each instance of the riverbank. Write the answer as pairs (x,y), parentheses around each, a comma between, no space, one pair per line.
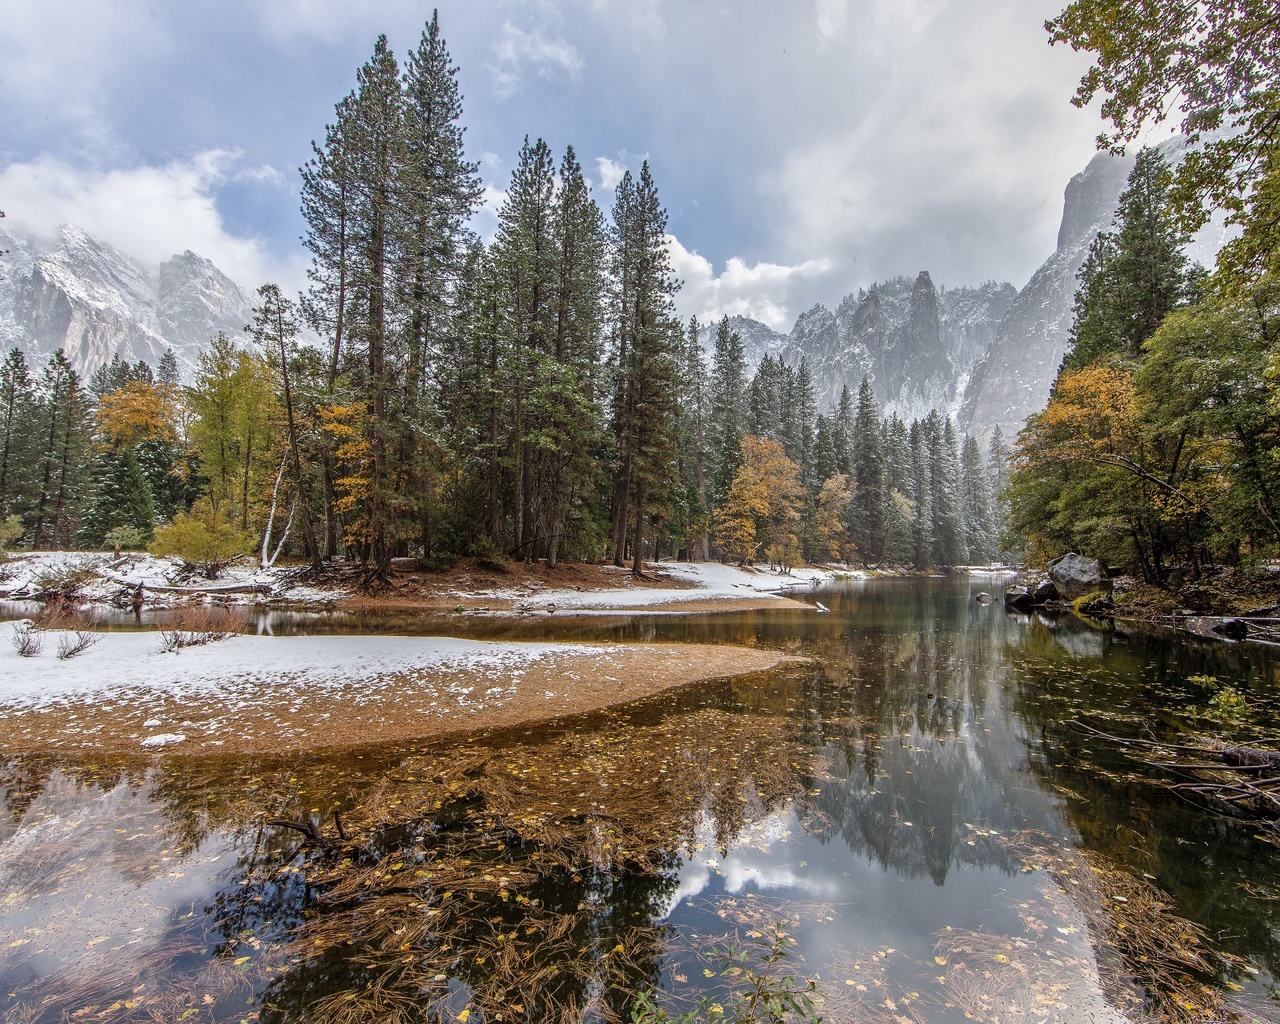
(86,580)
(125,694)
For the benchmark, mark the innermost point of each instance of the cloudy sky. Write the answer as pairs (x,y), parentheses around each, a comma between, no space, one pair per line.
(803,148)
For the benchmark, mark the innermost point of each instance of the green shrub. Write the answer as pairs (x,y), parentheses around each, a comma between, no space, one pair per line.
(205,540)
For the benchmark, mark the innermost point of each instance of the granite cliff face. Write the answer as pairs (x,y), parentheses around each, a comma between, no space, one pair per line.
(1012,379)
(915,343)
(93,302)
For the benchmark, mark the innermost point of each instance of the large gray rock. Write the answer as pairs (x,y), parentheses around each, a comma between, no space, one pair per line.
(1075,576)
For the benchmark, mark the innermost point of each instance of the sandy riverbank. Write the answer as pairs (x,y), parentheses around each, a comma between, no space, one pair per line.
(88,580)
(259,694)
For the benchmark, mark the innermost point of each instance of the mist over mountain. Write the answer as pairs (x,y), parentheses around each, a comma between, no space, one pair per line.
(985,355)
(80,294)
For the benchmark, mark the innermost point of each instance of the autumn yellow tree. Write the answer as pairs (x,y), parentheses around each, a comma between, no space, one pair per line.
(1099,471)
(831,523)
(763,505)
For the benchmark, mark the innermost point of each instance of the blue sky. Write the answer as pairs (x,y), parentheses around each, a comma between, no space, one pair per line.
(803,148)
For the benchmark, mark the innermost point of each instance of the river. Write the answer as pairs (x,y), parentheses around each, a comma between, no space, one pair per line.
(906,819)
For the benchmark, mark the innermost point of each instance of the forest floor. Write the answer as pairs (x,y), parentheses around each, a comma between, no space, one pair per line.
(88,579)
(126,694)
(1219,591)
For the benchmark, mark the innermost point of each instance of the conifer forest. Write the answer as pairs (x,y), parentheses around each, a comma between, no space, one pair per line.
(436,397)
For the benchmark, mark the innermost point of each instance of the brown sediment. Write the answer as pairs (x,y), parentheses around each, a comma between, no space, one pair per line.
(537,605)
(532,588)
(428,702)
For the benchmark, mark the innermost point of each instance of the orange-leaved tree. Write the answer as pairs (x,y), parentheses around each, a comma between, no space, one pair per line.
(763,504)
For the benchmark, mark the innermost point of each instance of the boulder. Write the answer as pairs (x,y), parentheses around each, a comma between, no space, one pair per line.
(1075,576)
(1099,607)
(1231,629)
(982,597)
(1019,596)
(1044,590)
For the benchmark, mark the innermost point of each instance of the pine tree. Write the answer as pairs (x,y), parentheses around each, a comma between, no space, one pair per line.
(842,433)
(374,140)
(980,536)
(999,459)
(728,399)
(64,422)
(824,452)
(1133,275)
(867,508)
(167,369)
(696,454)
(922,495)
(523,253)
(566,400)
(17,434)
(646,361)
(121,497)
(944,491)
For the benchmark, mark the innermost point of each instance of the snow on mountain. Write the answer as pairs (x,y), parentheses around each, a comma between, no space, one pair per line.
(916,344)
(83,296)
(1013,378)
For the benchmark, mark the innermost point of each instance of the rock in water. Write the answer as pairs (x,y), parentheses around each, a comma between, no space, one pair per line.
(1019,596)
(1044,590)
(1231,629)
(1075,576)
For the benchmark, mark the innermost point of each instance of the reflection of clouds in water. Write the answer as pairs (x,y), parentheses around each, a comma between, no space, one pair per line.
(87,892)
(748,864)
(1081,644)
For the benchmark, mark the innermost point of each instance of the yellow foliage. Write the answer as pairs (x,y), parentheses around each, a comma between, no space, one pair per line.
(346,424)
(140,412)
(829,523)
(764,497)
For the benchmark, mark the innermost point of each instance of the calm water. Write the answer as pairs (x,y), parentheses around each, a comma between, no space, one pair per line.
(906,817)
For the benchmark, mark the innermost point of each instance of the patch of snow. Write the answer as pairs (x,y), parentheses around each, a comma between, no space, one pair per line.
(248,666)
(164,739)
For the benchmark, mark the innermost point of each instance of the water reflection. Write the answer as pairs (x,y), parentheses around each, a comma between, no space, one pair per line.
(906,806)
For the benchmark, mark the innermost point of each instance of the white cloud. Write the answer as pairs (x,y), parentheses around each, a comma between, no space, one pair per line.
(59,55)
(518,49)
(962,122)
(769,292)
(610,172)
(831,17)
(148,212)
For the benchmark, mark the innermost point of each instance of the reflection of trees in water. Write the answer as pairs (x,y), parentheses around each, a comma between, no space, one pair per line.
(925,754)
(497,873)
(1212,867)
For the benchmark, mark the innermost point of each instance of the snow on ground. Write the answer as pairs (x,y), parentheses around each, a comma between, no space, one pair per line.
(165,583)
(711,581)
(136,661)
(163,579)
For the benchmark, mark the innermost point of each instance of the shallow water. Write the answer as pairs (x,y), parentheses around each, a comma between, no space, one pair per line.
(907,818)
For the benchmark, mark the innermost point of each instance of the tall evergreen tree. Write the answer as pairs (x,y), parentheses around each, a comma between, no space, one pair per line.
(868,505)
(64,422)
(976,514)
(646,359)
(1133,275)
(17,434)
(728,405)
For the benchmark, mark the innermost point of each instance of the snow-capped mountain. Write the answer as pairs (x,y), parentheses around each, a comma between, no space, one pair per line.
(985,355)
(1013,378)
(87,298)
(916,344)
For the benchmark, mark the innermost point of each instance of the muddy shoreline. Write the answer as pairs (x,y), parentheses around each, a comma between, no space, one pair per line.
(294,708)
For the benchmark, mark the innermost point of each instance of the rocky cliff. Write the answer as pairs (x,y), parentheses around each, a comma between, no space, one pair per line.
(81,295)
(1012,379)
(916,343)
